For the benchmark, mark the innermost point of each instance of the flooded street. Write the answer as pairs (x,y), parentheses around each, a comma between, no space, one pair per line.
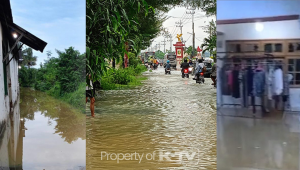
(150,126)
(51,135)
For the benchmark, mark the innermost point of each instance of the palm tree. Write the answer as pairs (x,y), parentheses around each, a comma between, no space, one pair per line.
(28,58)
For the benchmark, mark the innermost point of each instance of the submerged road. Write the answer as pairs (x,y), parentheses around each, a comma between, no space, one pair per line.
(150,126)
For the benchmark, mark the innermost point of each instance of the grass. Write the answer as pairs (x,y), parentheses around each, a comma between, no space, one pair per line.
(118,79)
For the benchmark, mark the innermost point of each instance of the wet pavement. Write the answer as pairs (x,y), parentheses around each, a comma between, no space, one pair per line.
(150,126)
(258,144)
(45,134)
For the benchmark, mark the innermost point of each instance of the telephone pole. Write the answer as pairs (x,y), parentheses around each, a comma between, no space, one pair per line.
(164,44)
(179,25)
(170,39)
(159,46)
(192,11)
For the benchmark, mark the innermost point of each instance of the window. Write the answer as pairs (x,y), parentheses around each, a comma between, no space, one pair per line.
(294,70)
(268,48)
(278,47)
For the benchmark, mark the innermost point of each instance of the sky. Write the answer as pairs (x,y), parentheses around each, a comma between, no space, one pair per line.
(60,23)
(177,14)
(234,9)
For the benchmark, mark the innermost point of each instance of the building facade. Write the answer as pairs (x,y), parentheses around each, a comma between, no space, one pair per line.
(278,36)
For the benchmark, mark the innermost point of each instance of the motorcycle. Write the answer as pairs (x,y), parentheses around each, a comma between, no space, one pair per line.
(185,73)
(168,71)
(200,78)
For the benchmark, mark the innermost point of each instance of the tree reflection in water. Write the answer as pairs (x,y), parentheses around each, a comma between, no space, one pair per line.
(70,123)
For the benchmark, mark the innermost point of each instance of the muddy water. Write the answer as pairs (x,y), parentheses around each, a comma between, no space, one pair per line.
(167,114)
(52,135)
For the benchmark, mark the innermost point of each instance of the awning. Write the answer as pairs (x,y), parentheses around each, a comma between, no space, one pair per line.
(28,38)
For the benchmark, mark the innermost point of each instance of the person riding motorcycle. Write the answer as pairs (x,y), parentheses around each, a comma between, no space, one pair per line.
(184,65)
(168,66)
(199,67)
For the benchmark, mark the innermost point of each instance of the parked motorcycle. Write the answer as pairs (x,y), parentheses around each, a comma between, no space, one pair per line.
(185,73)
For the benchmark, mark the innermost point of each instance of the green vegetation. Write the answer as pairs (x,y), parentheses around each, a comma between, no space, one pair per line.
(62,77)
(159,54)
(124,77)
(190,49)
(113,23)
(210,43)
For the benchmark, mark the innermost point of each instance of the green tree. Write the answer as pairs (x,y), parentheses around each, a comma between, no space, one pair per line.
(208,6)
(210,43)
(190,49)
(159,54)
(70,70)
(28,58)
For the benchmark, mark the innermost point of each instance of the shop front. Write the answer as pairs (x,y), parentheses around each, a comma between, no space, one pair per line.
(258,66)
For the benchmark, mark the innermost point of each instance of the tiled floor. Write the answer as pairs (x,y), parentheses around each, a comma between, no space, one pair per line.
(258,144)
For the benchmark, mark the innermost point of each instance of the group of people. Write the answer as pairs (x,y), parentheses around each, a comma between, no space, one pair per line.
(200,68)
(154,63)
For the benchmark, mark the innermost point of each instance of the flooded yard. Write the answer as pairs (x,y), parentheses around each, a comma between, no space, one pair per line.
(44,133)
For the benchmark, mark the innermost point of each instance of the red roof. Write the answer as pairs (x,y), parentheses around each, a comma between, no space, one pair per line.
(198,49)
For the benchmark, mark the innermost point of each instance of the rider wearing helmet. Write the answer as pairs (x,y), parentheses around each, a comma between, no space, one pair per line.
(199,67)
(184,65)
(168,66)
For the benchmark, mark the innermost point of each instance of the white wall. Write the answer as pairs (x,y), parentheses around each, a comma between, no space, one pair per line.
(4,104)
(272,30)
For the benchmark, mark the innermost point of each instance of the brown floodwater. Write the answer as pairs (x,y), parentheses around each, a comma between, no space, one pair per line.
(48,134)
(152,125)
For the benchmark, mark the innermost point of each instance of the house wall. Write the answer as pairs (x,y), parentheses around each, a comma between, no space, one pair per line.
(272,30)
(9,119)
(4,101)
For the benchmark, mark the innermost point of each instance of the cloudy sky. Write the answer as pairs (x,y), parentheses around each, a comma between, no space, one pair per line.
(233,9)
(61,23)
(177,14)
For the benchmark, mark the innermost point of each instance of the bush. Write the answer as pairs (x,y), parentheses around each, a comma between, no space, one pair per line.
(115,78)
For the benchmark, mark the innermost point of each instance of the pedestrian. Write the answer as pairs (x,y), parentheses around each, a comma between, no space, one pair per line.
(90,93)
(214,72)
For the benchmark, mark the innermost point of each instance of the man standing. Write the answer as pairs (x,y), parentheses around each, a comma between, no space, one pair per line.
(90,92)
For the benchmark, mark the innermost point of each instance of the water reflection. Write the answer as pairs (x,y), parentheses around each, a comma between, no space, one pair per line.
(51,135)
(258,144)
(167,113)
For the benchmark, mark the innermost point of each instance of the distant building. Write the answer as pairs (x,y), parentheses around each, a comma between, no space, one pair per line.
(12,37)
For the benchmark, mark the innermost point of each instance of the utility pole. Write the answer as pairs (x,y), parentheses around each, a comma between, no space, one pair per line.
(192,11)
(159,46)
(180,25)
(164,44)
(170,39)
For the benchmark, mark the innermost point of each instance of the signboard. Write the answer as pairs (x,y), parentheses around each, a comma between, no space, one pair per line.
(178,52)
